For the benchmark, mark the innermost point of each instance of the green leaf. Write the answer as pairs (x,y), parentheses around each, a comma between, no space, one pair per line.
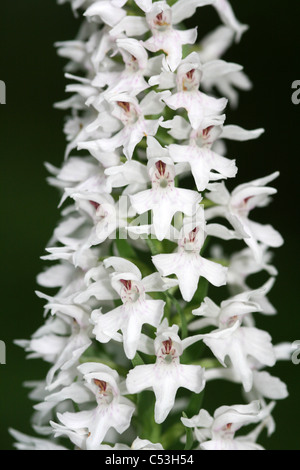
(76,407)
(187,313)
(207,363)
(223,262)
(207,203)
(201,291)
(172,436)
(124,248)
(154,245)
(147,427)
(180,311)
(171,2)
(205,246)
(195,404)
(137,360)
(189,436)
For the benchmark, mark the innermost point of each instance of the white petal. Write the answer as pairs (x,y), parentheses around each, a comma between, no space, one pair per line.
(165,393)
(240,134)
(131,26)
(208,308)
(152,103)
(150,312)
(122,265)
(192,378)
(213,272)
(186,8)
(269,386)
(144,5)
(218,68)
(76,421)
(107,12)
(155,283)
(136,49)
(185,266)
(117,417)
(266,234)
(258,344)
(200,165)
(220,231)
(227,16)
(202,420)
(102,290)
(108,324)
(127,173)
(55,276)
(180,128)
(163,213)
(76,392)
(142,202)
(155,150)
(140,378)
(226,167)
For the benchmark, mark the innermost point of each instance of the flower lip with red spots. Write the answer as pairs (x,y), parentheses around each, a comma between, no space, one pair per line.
(126,284)
(101,384)
(193,234)
(161,167)
(206,131)
(95,204)
(190,74)
(167,347)
(124,105)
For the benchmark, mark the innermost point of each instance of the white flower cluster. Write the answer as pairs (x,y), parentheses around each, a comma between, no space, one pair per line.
(131,321)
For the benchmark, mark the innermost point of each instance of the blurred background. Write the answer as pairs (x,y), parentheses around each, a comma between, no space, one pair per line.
(31,134)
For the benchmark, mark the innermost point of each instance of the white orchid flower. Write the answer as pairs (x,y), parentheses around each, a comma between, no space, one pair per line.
(138,308)
(167,374)
(187,263)
(218,432)
(112,410)
(237,206)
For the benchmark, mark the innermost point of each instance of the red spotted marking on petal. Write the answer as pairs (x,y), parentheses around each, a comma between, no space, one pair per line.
(95,204)
(101,384)
(124,105)
(161,167)
(126,284)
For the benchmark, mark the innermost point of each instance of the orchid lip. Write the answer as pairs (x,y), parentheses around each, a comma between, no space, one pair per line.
(162,177)
(130,115)
(101,384)
(130,292)
(104,394)
(124,105)
(94,204)
(191,243)
(167,346)
(161,22)
(168,352)
(161,167)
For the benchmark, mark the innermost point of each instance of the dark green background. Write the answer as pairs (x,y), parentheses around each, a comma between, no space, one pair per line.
(31,133)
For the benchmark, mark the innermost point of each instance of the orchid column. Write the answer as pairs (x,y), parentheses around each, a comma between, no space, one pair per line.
(141,241)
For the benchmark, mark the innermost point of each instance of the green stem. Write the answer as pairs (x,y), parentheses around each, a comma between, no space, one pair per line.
(184,330)
(152,246)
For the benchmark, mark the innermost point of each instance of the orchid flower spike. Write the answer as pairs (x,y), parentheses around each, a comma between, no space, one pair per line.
(143,293)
